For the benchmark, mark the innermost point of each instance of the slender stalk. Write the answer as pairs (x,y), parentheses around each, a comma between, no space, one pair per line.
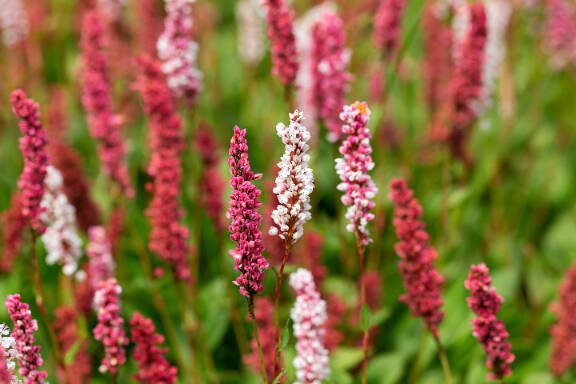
(444,361)
(365,338)
(39,295)
(288,96)
(287,251)
(257,337)
(114,378)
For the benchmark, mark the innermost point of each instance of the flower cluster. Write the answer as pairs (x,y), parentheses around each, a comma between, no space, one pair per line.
(66,329)
(421,280)
(13,21)
(353,168)
(467,82)
(563,331)
(8,356)
(101,264)
(178,52)
(264,317)
(14,225)
(559,32)
(388,26)
(295,181)
(61,240)
(33,147)
(212,184)
(97,100)
(330,74)
(281,34)
(245,219)
(28,353)
(250,31)
(166,140)
(309,317)
(490,332)
(112,9)
(148,353)
(110,327)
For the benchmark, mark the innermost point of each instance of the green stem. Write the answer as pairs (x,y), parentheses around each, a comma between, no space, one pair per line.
(287,250)
(443,361)
(365,338)
(257,337)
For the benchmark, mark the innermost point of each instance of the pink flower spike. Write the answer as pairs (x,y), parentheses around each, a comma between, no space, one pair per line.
(101,265)
(97,101)
(153,368)
(281,33)
(388,26)
(29,358)
(178,52)
(490,332)
(245,219)
(330,59)
(357,185)
(110,327)
(421,280)
(169,238)
(33,147)
(14,22)
(563,355)
(309,317)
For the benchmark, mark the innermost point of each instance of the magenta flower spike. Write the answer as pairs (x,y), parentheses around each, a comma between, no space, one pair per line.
(104,125)
(179,53)
(421,280)
(330,76)
(281,33)
(33,147)
(28,353)
(101,265)
(309,316)
(563,355)
(357,185)
(110,328)
(490,332)
(149,353)
(245,219)
(388,26)
(169,237)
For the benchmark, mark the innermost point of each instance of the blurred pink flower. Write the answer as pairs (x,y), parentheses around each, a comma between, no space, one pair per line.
(29,358)
(110,328)
(309,316)
(169,237)
(563,355)
(33,147)
(560,32)
(281,33)
(357,185)
(153,368)
(388,26)
(245,219)
(421,280)
(13,226)
(112,9)
(79,370)
(97,100)
(13,22)
(178,52)
(490,332)
(101,265)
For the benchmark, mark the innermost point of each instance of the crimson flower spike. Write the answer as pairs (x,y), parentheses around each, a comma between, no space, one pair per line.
(388,25)
(563,355)
(97,100)
(169,237)
(490,332)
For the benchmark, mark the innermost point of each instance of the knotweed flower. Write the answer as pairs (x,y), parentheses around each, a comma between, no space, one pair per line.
(421,280)
(281,33)
(264,317)
(66,329)
(250,31)
(149,26)
(467,82)
(33,147)
(28,353)
(559,32)
(245,219)
(212,184)
(8,356)
(563,355)
(110,328)
(169,237)
(295,181)
(388,26)
(310,255)
(14,22)
(336,313)
(330,59)
(14,225)
(61,240)
(309,317)
(97,100)
(353,168)
(148,353)
(490,332)
(101,265)
(178,52)
(112,9)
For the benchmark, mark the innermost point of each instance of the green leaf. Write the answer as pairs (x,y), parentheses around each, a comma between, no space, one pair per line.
(345,358)
(285,336)
(279,377)
(71,353)
(385,369)
(365,318)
